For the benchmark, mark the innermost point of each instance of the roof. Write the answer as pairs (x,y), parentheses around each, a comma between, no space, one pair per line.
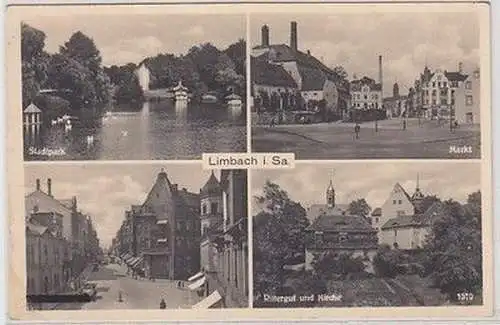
(455,76)
(265,73)
(357,84)
(377,212)
(312,79)
(401,188)
(190,199)
(343,223)
(45,203)
(32,108)
(417,220)
(212,185)
(318,209)
(35,228)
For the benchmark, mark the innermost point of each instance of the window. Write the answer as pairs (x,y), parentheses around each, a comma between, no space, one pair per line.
(439,84)
(400,213)
(468,100)
(468,85)
(393,201)
(376,220)
(433,102)
(366,97)
(204,209)
(434,93)
(399,202)
(434,84)
(444,101)
(445,84)
(214,207)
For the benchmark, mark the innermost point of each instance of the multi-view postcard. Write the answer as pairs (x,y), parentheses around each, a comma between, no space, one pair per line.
(146,162)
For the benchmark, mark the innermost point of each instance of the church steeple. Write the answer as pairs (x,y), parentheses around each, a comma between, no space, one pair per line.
(330,195)
(417,197)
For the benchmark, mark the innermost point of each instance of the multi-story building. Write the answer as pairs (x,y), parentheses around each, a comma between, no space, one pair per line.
(163,234)
(320,88)
(224,248)
(403,221)
(65,222)
(454,94)
(366,94)
(335,230)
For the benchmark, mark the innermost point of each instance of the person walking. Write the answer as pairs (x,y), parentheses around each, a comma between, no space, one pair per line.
(163,304)
(357,129)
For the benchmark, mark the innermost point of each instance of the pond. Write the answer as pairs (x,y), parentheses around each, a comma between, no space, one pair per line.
(156,130)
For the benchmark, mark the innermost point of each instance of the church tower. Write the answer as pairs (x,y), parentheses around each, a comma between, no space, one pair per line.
(330,195)
(417,198)
(211,205)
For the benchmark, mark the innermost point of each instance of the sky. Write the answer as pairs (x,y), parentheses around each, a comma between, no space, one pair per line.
(373,181)
(122,39)
(406,41)
(106,191)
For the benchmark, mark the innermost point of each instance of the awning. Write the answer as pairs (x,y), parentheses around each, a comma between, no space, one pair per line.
(197,284)
(137,262)
(209,301)
(196,276)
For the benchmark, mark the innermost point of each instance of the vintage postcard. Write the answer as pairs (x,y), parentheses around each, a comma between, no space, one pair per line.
(167,86)
(248,161)
(368,84)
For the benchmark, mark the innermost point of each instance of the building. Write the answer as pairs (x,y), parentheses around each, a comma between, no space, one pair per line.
(398,105)
(74,226)
(320,87)
(32,115)
(143,75)
(404,221)
(334,230)
(162,236)
(366,94)
(61,242)
(456,93)
(224,247)
(47,255)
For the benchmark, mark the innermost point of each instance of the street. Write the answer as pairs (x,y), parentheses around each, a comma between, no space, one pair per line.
(338,140)
(136,293)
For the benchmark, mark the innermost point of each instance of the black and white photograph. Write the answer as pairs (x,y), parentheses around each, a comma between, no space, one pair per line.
(103,237)
(338,235)
(133,86)
(366,85)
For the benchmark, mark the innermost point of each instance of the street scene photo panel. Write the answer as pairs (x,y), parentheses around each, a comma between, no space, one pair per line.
(366,84)
(135,237)
(108,89)
(338,235)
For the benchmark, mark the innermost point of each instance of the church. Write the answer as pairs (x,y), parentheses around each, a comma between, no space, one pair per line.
(335,230)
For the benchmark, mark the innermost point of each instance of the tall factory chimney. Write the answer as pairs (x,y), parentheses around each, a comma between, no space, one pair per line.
(293,35)
(265,36)
(380,75)
(38,184)
(49,187)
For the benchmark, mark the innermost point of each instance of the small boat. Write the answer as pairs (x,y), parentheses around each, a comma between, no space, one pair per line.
(208,99)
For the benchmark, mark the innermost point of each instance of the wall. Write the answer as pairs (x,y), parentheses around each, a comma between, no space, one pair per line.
(390,209)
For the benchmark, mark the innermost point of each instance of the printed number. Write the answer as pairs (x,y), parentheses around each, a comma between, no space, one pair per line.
(465,296)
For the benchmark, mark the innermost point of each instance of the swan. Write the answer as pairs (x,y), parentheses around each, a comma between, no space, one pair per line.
(68,127)
(60,120)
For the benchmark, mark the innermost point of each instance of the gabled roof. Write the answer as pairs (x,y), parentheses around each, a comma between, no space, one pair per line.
(455,76)
(357,85)
(316,210)
(417,220)
(45,203)
(32,108)
(342,223)
(401,188)
(312,79)
(212,186)
(265,73)
(190,199)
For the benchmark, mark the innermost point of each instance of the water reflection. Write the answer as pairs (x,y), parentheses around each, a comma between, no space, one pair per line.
(154,130)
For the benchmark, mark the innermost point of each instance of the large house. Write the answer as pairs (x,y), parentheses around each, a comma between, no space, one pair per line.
(335,230)
(224,248)
(456,93)
(60,242)
(403,221)
(320,88)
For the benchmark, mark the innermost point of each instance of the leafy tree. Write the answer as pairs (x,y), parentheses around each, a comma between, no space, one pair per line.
(337,266)
(386,262)
(428,201)
(278,236)
(34,61)
(455,250)
(341,72)
(237,53)
(360,208)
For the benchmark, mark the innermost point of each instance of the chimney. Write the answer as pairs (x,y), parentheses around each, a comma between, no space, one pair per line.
(308,52)
(380,76)
(460,67)
(38,184)
(49,187)
(293,35)
(265,35)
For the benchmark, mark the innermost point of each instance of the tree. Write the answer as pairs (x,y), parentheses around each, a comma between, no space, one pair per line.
(278,236)
(386,262)
(428,201)
(237,53)
(34,62)
(341,72)
(360,208)
(337,266)
(454,249)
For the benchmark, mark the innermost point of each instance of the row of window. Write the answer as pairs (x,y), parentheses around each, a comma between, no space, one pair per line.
(214,208)
(453,84)
(365,97)
(444,101)
(366,105)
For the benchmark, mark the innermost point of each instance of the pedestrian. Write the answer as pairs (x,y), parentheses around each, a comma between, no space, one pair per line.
(357,129)
(404,124)
(272,122)
(163,304)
